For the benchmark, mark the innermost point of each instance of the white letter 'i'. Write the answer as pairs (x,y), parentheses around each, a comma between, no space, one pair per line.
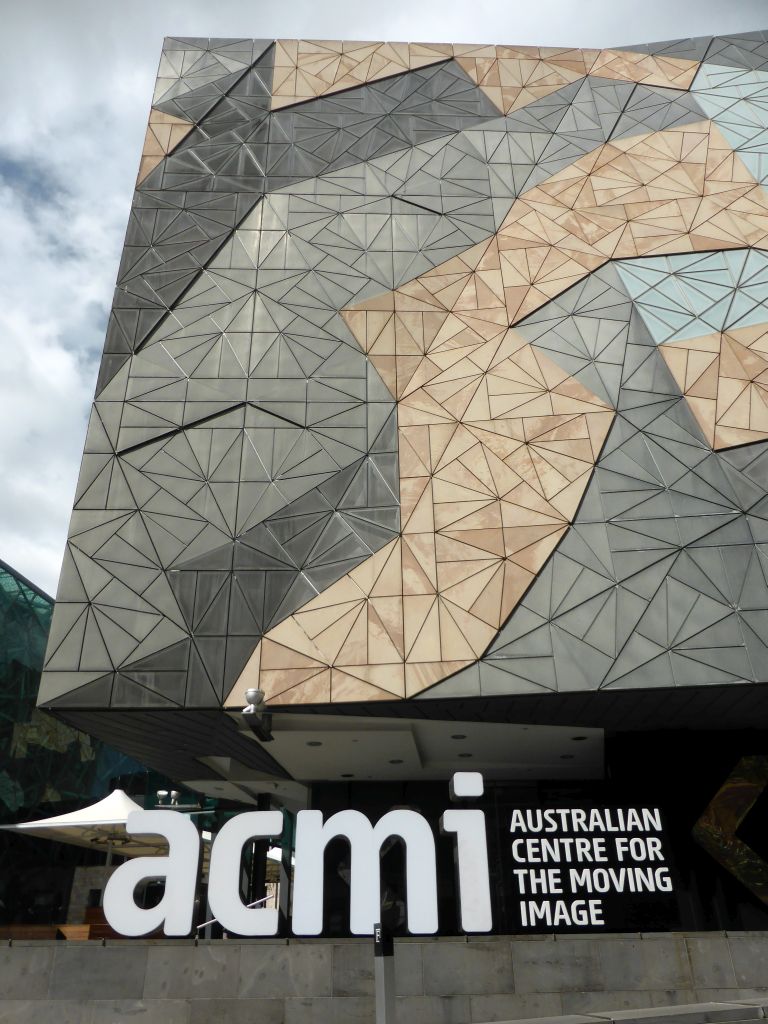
(471,853)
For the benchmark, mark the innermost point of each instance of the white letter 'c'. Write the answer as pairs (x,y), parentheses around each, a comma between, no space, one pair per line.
(223,888)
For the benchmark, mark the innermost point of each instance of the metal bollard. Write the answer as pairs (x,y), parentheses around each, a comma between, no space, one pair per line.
(384,975)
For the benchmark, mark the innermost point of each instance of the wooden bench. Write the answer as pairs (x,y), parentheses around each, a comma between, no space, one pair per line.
(74,932)
(28,931)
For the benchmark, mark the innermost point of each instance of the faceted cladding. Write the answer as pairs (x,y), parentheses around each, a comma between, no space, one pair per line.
(432,371)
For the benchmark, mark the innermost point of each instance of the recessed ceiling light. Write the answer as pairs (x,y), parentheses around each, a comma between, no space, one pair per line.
(458,736)
(314,743)
(396,760)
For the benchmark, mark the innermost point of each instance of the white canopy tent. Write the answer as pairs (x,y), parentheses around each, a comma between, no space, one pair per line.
(99,826)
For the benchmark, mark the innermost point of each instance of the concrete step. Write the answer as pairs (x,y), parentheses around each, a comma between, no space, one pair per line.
(742,1012)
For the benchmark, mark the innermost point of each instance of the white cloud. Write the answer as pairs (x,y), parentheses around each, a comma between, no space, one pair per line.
(78,77)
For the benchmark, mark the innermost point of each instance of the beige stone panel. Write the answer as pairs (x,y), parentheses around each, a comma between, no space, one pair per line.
(442,437)
(354,649)
(316,690)
(598,425)
(453,574)
(519,540)
(503,475)
(410,463)
(456,472)
(481,590)
(365,575)
(469,539)
(453,511)
(454,396)
(729,437)
(390,678)
(755,337)
(702,375)
(520,76)
(164,133)
(345,687)
(420,409)
(676,354)
(525,505)
(380,650)
(479,50)
(474,631)
(550,480)
(449,445)
(279,669)
(417,515)
(389,582)
(419,569)
(454,645)
(758,415)
(479,524)
(488,586)
(650,69)
(733,401)
(473,525)
(288,646)
(388,612)
(552,477)
(535,555)
(740,361)
(570,463)
(315,621)
(422,54)
(522,464)
(422,629)
(306,69)
(422,547)
(705,409)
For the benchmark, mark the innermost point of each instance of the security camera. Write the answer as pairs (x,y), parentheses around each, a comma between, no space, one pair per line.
(255,702)
(260,720)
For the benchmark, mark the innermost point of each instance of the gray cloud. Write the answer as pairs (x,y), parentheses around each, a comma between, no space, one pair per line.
(78,78)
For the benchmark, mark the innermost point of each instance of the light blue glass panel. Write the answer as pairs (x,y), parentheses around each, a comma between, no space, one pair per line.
(694,294)
(737,101)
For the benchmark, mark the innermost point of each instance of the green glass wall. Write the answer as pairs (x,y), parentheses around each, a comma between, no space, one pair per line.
(46,767)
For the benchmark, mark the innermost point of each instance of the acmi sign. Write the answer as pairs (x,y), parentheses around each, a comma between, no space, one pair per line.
(541,852)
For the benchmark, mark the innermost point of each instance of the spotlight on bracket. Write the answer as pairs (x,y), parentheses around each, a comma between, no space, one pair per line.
(259,720)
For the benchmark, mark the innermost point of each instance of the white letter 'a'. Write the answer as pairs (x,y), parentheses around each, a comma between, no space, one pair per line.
(179,869)
(223,889)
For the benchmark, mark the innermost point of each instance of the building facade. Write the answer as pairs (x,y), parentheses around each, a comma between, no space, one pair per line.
(434,405)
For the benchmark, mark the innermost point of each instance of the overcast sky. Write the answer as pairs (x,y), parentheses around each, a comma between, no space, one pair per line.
(77,77)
